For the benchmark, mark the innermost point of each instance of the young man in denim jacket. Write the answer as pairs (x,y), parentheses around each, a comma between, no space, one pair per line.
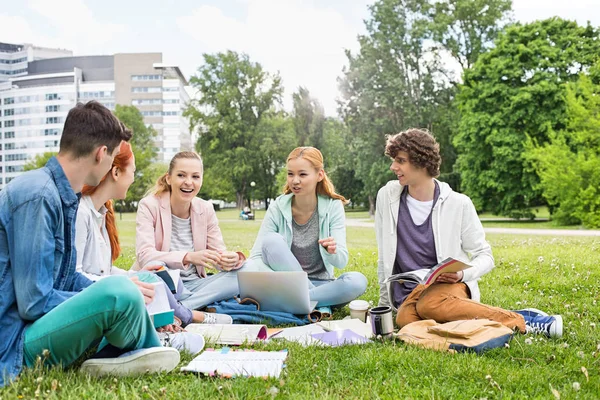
(47,309)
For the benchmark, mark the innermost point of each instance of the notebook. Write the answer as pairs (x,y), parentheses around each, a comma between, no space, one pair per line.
(229,363)
(285,291)
(232,334)
(159,309)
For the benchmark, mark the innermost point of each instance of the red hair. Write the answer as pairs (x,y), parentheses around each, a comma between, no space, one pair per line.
(121,161)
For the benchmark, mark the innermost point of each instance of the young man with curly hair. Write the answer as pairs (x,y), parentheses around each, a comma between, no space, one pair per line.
(421,221)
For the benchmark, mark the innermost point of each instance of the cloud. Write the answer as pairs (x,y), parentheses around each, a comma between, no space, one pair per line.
(76,27)
(305,43)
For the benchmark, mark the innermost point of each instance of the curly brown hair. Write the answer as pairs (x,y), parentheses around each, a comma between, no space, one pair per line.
(422,148)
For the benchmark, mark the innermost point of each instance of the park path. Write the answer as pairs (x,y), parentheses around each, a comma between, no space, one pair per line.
(508,231)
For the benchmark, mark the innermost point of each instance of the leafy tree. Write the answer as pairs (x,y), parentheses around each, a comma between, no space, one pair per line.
(513,94)
(468,28)
(38,161)
(309,118)
(142,144)
(569,165)
(390,85)
(236,95)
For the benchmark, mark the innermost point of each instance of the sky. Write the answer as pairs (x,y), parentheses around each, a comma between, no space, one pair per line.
(303,40)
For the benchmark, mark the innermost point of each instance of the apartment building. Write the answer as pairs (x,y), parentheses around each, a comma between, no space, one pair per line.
(34,105)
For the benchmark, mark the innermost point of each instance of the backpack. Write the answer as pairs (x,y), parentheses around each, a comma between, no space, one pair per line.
(475,335)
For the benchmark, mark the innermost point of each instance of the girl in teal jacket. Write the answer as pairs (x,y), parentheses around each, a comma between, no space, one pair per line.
(304,230)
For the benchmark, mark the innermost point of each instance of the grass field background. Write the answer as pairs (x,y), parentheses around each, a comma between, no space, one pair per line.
(556,274)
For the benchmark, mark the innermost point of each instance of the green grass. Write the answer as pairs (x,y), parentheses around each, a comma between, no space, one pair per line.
(560,275)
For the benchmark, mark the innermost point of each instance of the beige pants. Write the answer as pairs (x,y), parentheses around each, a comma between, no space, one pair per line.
(446,302)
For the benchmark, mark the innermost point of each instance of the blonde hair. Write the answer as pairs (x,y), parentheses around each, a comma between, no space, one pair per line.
(314,156)
(161,186)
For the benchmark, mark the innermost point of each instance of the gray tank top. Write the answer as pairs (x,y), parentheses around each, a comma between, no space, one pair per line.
(305,247)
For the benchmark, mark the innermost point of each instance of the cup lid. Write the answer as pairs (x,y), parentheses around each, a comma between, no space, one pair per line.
(359,305)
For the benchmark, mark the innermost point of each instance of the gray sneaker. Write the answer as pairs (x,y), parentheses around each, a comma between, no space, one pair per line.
(136,362)
(212,318)
(183,341)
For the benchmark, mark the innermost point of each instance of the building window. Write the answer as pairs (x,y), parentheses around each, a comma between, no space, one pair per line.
(16,157)
(9,135)
(53,120)
(53,108)
(9,100)
(171,101)
(145,102)
(10,111)
(14,168)
(9,146)
(146,77)
(148,89)
(8,124)
(171,89)
(52,96)
(151,113)
(49,132)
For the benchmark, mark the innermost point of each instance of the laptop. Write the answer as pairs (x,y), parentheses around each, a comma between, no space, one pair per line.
(285,291)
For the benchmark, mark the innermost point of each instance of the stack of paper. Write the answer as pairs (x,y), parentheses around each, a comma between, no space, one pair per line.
(229,363)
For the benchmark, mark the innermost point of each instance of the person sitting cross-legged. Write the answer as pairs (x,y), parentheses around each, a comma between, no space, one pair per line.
(47,309)
(421,221)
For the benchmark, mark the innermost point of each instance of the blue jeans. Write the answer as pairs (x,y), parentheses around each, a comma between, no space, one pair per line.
(199,292)
(348,286)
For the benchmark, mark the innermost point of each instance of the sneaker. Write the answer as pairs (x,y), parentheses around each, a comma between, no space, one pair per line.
(136,362)
(531,312)
(551,325)
(183,341)
(212,318)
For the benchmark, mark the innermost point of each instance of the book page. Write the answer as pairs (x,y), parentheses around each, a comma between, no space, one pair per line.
(229,363)
(300,334)
(234,334)
(160,302)
(355,325)
(448,265)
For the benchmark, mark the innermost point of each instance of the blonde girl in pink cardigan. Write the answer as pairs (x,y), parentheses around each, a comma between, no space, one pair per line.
(177,229)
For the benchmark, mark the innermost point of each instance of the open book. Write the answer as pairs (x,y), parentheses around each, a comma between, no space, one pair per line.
(232,334)
(231,363)
(170,277)
(429,275)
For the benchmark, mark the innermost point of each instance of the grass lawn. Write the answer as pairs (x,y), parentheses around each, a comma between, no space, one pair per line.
(560,275)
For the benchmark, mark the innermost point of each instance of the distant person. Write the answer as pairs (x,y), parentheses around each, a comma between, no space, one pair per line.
(421,221)
(181,231)
(304,230)
(45,305)
(97,242)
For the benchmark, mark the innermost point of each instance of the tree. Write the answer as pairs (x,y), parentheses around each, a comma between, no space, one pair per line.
(390,85)
(39,161)
(515,93)
(569,164)
(235,96)
(309,117)
(468,28)
(142,144)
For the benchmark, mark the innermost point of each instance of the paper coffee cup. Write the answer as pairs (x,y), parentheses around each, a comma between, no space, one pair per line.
(358,309)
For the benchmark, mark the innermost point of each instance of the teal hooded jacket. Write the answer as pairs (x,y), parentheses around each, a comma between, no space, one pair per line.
(331,224)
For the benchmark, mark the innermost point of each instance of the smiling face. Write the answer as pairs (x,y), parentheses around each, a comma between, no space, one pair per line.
(185,180)
(408,174)
(302,177)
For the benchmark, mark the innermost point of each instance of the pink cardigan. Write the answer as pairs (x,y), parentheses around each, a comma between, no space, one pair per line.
(153,232)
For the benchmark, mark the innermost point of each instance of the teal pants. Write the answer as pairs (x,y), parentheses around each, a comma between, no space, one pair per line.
(111,310)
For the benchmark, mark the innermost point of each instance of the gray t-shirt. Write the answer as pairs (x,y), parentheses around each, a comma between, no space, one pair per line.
(305,247)
(182,240)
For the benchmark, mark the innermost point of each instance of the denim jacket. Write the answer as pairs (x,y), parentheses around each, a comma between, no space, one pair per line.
(37,256)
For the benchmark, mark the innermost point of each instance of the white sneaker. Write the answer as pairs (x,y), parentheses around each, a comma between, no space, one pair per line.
(212,318)
(136,362)
(183,341)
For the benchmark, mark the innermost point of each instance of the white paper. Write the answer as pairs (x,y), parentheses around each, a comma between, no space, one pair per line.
(231,363)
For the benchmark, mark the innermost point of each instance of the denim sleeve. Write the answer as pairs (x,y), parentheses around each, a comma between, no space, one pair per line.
(32,258)
(80,282)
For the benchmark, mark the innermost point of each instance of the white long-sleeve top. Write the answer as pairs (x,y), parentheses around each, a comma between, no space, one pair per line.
(92,243)
(457,233)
